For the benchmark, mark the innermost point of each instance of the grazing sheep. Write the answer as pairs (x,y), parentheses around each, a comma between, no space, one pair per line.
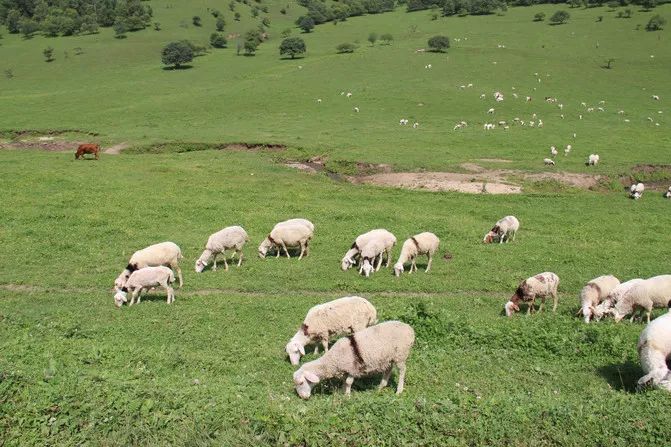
(287,235)
(415,125)
(230,238)
(553,151)
(568,149)
(350,257)
(605,308)
(594,293)
(373,350)
(299,221)
(503,229)
(593,160)
(144,279)
(420,244)
(165,253)
(654,350)
(369,253)
(667,194)
(548,162)
(356,109)
(655,97)
(636,190)
(342,316)
(349,94)
(542,285)
(646,294)
(490,111)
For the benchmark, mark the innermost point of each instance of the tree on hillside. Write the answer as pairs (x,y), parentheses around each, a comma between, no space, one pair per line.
(345,48)
(293,46)
(12,21)
(539,17)
(372,38)
(250,47)
(177,54)
(649,4)
(28,27)
(196,21)
(221,23)
(218,40)
(48,54)
(236,16)
(266,22)
(387,38)
(439,43)
(306,23)
(559,17)
(286,33)
(656,23)
(120,29)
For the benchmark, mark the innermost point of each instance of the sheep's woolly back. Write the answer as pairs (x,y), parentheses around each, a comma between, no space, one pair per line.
(654,348)
(291,234)
(597,290)
(229,237)
(508,223)
(163,253)
(377,234)
(373,248)
(652,292)
(342,316)
(299,221)
(426,242)
(378,348)
(149,277)
(618,292)
(543,284)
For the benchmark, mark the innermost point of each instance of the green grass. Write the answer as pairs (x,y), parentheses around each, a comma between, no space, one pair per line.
(211,368)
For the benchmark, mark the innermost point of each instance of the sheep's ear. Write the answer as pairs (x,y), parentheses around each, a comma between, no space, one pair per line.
(311,377)
(301,349)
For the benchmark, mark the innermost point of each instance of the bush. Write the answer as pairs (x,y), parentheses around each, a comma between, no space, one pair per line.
(439,43)
(539,17)
(28,27)
(306,23)
(177,53)
(648,4)
(266,22)
(559,17)
(372,38)
(48,54)
(220,24)
(250,47)
(387,38)
(196,21)
(236,16)
(120,29)
(346,48)
(292,46)
(286,33)
(656,23)
(218,40)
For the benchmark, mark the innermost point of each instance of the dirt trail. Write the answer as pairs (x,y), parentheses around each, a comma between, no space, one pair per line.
(116,149)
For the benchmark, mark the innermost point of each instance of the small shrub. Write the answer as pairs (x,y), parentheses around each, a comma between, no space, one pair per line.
(345,48)
(266,22)
(196,21)
(599,19)
(560,17)
(387,39)
(218,40)
(628,13)
(48,54)
(656,23)
(215,13)
(220,24)
(250,47)
(236,17)
(539,17)
(28,27)
(120,29)
(283,11)
(439,43)
(157,26)
(372,38)
(286,33)
(306,23)
(649,4)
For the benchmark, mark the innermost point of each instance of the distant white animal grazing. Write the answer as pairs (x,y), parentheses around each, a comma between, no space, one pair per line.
(654,350)
(667,194)
(593,160)
(620,112)
(362,240)
(579,116)
(420,244)
(561,116)
(165,253)
(319,100)
(561,106)
(636,190)
(415,125)
(482,96)
(528,98)
(230,238)
(549,161)
(349,94)
(567,149)
(515,95)
(655,97)
(356,109)
(553,151)
(504,229)
(540,123)
(584,104)
(490,111)
(469,85)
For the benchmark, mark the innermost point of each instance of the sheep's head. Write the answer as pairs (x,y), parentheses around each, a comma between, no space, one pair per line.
(305,381)
(294,350)
(200,266)
(511,308)
(264,247)
(346,263)
(367,267)
(398,269)
(120,298)
(489,237)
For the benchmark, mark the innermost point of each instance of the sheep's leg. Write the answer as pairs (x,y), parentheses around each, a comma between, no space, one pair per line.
(379,263)
(302,250)
(540,309)
(501,237)
(401,378)
(225,263)
(284,246)
(176,268)
(555,301)
(325,345)
(239,252)
(385,378)
(428,266)
(134,295)
(348,385)
(279,250)
(648,313)
(388,251)
(214,263)
(316,350)
(514,234)
(413,265)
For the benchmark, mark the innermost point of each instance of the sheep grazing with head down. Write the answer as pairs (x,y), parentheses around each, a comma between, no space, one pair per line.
(350,258)
(503,230)
(541,285)
(667,194)
(654,350)
(165,253)
(594,293)
(592,160)
(420,244)
(373,350)
(636,190)
(145,279)
(369,254)
(606,306)
(230,238)
(644,296)
(292,233)
(342,316)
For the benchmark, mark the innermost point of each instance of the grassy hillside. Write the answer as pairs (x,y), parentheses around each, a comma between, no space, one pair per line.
(119,89)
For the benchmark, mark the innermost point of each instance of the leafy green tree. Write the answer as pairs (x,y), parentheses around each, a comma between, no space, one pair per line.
(656,23)
(157,26)
(218,40)
(196,21)
(306,23)
(12,21)
(387,38)
(346,48)
(649,4)
(255,12)
(120,29)
(250,47)
(266,22)
(89,25)
(215,13)
(449,8)
(560,17)
(292,46)
(221,23)
(48,54)
(231,6)
(372,38)
(236,16)
(539,17)
(41,11)
(28,27)
(628,13)
(439,43)
(177,54)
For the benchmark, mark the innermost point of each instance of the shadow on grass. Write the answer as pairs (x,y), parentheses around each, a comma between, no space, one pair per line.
(622,376)
(289,58)
(362,384)
(181,67)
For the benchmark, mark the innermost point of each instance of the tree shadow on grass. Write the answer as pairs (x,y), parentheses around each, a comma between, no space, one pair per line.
(289,58)
(622,376)
(181,67)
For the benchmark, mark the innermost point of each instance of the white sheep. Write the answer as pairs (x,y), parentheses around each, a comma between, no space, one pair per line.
(145,279)
(595,292)
(164,253)
(548,162)
(667,194)
(415,125)
(654,350)
(300,221)
(230,238)
(373,350)
(369,253)
(490,111)
(349,94)
(287,235)
(425,243)
(655,97)
(593,160)
(605,307)
(636,190)
(567,149)
(356,109)
(503,230)
(646,294)
(353,253)
(542,285)
(553,151)
(342,316)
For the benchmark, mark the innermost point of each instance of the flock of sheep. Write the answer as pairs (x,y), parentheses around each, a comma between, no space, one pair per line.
(370,348)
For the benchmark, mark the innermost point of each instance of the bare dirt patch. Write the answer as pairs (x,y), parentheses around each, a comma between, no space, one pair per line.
(41,143)
(116,149)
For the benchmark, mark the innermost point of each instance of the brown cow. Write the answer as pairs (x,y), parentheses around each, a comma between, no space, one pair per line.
(87,149)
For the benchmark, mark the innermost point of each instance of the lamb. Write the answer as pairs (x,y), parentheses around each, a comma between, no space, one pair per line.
(649,293)
(164,253)
(542,285)
(144,279)
(350,257)
(503,229)
(667,194)
(654,350)
(548,162)
(287,235)
(373,350)
(594,293)
(490,111)
(420,244)
(605,308)
(369,253)
(342,316)
(230,238)
(593,160)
